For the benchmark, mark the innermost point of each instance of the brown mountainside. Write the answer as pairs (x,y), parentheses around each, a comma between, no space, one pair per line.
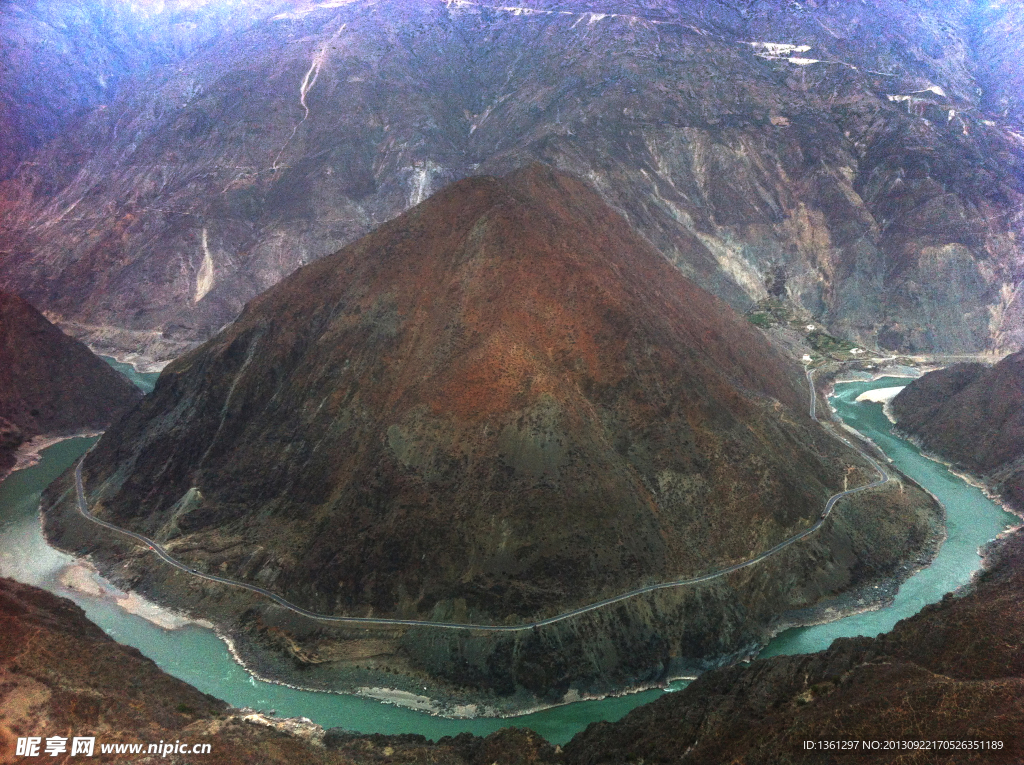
(499,406)
(973,416)
(108,690)
(49,382)
(117,695)
(505,397)
(952,673)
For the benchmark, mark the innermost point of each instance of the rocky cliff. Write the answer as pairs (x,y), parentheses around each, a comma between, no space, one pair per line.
(51,383)
(502,405)
(973,416)
(11,437)
(860,160)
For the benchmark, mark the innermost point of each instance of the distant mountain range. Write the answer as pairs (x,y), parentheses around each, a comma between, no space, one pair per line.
(861,160)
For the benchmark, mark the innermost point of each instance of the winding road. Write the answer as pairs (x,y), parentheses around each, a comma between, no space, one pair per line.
(372,622)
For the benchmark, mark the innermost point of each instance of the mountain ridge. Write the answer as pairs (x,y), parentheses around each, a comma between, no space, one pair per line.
(863,180)
(515,340)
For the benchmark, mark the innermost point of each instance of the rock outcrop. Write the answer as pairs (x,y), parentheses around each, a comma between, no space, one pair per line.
(860,160)
(11,437)
(498,407)
(51,383)
(973,416)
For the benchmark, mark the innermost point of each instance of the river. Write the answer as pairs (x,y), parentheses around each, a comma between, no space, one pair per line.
(972,519)
(199,657)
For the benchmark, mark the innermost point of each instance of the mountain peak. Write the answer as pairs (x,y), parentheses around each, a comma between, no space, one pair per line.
(503,396)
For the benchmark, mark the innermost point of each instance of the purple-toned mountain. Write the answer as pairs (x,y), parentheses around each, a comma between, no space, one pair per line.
(63,59)
(861,160)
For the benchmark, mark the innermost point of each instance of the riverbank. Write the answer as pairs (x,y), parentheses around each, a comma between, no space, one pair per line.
(84,578)
(885,396)
(972,521)
(142,365)
(971,479)
(29,453)
(873,596)
(151,350)
(416,691)
(878,594)
(402,686)
(79,575)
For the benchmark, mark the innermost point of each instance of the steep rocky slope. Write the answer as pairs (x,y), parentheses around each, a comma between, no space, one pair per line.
(107,690)
(11,437)
(51,383)
(502,405)
(973,416)
(862,160)
(63,59)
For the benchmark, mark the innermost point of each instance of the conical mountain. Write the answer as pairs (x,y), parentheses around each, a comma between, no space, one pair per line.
(504,402)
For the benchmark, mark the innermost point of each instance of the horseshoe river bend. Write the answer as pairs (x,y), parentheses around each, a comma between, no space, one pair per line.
(195,654)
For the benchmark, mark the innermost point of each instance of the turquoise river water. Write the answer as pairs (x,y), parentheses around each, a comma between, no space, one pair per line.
(199,657)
